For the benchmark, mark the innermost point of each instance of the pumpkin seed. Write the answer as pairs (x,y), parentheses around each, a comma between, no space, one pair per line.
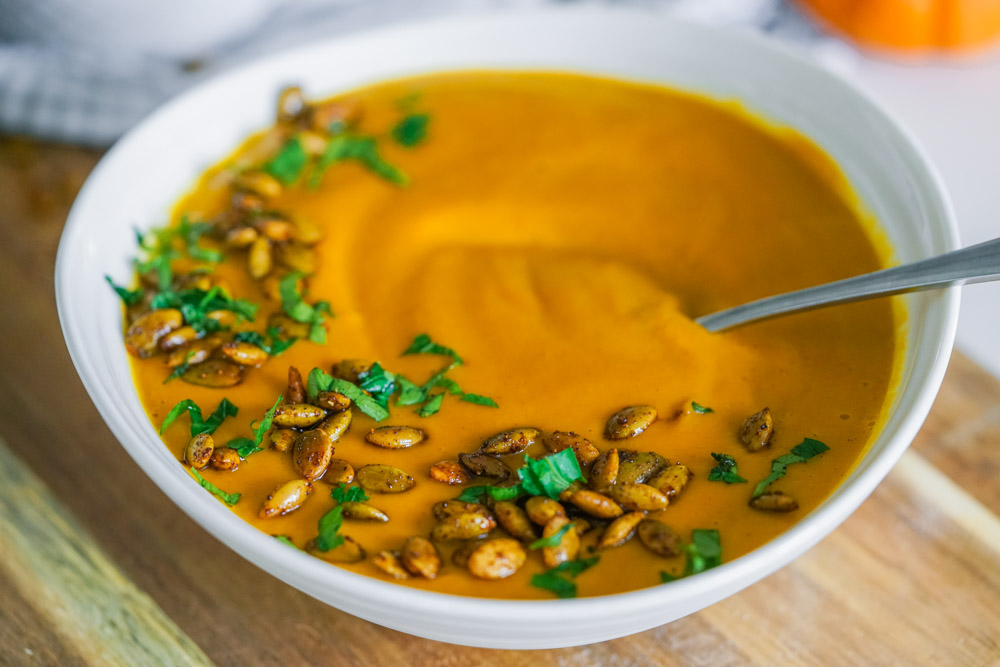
(333,401)
(497,559)
(774,501)
(339,472)
(756,432)
(659,538)
(514,520)
(363,512)
(283,439)
(630,422)
(260,259)
(449,472)
(307,232)
(637,467)
(142,337)
(395,437)
(460,556)
(311,453)
(194,353)
(620,530)
(336,425)
(448,509)
(484,465)
(296,392)
(420,557)
(463,527)
(379,478)
(596,504)
(352,369)
(215,373)
(568,547)
(225,458)
(285,498)
(177,338)
(604,472)
(287,327)
(275,229)
(671,479)
(297,258)
(297,415)
(541,509)
(199,451)
(240,237)
(244,354)
(584,449)
(390,563)
(511,441)
(258,182)
(347,551)
(641,497)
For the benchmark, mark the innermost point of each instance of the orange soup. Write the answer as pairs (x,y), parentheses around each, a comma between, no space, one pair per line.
(485,285)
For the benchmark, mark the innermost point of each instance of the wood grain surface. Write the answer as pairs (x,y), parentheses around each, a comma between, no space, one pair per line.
(98,567)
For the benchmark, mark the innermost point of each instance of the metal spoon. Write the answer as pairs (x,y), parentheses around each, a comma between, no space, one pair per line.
(975,264)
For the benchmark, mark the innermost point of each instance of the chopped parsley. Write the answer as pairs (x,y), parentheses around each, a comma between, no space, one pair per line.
(329,536)
(245,446)
(726,471)
(274,344)
(198,424)
(129,297)
(480,400)
(181,368)
(284,539)
(703,553)
(551,475)
(701,409)
(190,233)
(228,498)
(296,307)
(362,149)
(288,162)
(196,304)
(552,540)
(379,383)
(158,251)
(432,405)
(558,578)
(476,494)
(319,380)
(800,453)
(423,344)
(411,130)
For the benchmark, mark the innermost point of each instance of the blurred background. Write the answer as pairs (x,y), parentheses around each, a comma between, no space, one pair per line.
(83,73)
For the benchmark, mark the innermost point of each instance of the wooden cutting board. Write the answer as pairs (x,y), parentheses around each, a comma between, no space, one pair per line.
(98,567)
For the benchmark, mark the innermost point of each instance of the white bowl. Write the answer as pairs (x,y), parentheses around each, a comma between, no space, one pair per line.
(141,177)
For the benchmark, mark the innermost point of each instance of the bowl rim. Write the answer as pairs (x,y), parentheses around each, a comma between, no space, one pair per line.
(306,572)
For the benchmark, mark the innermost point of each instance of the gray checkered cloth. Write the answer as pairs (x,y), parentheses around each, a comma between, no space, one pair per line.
(64,76)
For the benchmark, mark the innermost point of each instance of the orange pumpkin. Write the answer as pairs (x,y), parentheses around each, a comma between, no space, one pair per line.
(912,26)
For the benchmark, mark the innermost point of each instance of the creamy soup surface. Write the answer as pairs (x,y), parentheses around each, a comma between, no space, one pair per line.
(559,233)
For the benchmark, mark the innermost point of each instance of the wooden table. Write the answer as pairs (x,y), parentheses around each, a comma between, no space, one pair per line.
(97,566)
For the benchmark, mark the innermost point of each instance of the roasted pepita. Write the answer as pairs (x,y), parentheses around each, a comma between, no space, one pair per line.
(363,512)
(497,559)
(485,465)
(395,437)
(464,526)
(378,478)
(541,509)
(349,551)
(659,538)
(311,453)
(216,373)
(142,337)
(568,546)
(339,472)
(225,458)
(199,451)
(296,392)
(511,441)
(596,504)
(671,480)
(514,520)
(283,439)
(774,501)
(756,432)
(297,415)
(620,530)
(584,449)
(604,472)
(630,422)
(420,557)
(641,497)
(333,401)
(449,472)
(637,467)
(336,425)
(390,563)
(285,498)
(244,354)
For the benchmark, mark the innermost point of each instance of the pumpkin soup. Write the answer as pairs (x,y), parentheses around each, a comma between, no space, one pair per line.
(439,330)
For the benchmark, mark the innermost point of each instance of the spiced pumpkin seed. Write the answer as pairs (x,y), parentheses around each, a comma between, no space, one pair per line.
(637,467)
(395,437)
(511,441)
(244,354)
(420,557)
(463,527)
(671,480)
(297,415)
(568,547)
(336,425)
(216,373)
(339,472)
(199,451)
(774,501)
(756,432)
(604,472)
(348,551)
(620,530)
(378,478)
(296,392)
(630,422)
(283,439)
(390,563)
(363,512)
(541,509)
(225,458)
(596,504)
(285,498)
(497,559)
(659,538)
(311,453)
(352,369)
(514,520)
(484,465)
(449,472)
(260,258)
(584,449)
(641,497)
(333,401)
(142,337)
(447,509)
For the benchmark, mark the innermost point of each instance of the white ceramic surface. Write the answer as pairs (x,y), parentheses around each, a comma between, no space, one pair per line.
(145,172)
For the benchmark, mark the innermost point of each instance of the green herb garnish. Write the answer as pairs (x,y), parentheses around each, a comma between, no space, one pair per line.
(348,494)
(329,536)
(129,297)
(726,471)
(557,579)
(198,424)
(228,498)
(703,553)
(190,233)
(551,475)
(288,162)
(423,344)
(181,368)
(700,409)
(475,494)
(432,405)
(284,539)
(379,383)
(273,344)
(551,540)
(480,400)
(245,446)
(296,307)
(409,393)
(319,380)
(196,304)
(800,453)
(411,130)
(344,147)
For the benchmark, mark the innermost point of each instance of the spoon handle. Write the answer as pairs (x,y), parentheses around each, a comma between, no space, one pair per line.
(978,263)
